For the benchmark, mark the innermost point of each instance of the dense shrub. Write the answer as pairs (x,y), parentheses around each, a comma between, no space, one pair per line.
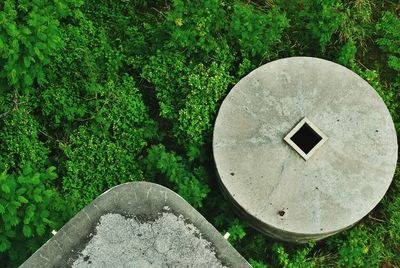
(30,208)
(104,151)
(171,170)
(29,36)
(188,93)
(389,26)
(299,257)
(75,87)
(19,138)
(257,31)
(197,26)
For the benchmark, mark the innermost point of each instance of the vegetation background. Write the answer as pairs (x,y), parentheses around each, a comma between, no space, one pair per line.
(97,93)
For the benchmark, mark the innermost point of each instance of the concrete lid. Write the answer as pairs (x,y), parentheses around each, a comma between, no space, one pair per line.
(342,181)
(144,200)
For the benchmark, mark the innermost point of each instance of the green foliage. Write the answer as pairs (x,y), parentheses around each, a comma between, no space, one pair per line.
(389,41)
(196,25)
(29,36)
(387,93)
(103,152)
(77,76)
(132,32)
(347,53)
(236,231)
(299,258)
(30,208)
(356,23)
(257,33)
(174,172)
(257,264)
(325,20)
(389,26)
(207,86)
(313,23)
(391,230)
(167,72)
(19,138)
(360,248)
(188,93)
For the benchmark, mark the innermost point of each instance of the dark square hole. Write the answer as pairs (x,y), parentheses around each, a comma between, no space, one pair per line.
(306,138)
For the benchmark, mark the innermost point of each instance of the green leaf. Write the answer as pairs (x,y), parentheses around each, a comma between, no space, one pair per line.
(27,231)
(12,29)
(22,179)
(37,198)
(27,220)
(2,209)
(40,229)
(27,170)
(40,77)
(27,62)
(3,175)
(14,221)
(38,53)
(21,191)
(13,76)
(51,169)
(35,180)
(26,31)
(44,214)
(22,199)
(49,193)
(5,188)
(28,80)
(50,175)
(4,244)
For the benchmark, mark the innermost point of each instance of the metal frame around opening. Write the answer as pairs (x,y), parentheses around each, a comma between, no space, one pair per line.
(305,156)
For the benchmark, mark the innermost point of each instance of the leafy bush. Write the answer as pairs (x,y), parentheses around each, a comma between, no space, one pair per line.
(389,26)
(103,152)
(175,174)
(360,248)
(188,94)
(313,24)
(391,229)
(256,32)
(298,259)
(347,53)
(257,264)
(19,138)
(77,76)
(387,94)
(196,25)
(30,208)
(29,36)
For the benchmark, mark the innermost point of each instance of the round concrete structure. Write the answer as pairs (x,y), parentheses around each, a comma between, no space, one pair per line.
(304,148)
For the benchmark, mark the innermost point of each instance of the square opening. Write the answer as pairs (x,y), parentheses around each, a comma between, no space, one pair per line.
(305,138)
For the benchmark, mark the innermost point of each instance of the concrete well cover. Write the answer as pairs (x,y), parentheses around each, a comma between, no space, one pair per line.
(282,193)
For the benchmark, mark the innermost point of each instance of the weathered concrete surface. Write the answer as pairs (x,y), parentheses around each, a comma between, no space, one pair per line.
(143,200)
(268,181)
(128,242)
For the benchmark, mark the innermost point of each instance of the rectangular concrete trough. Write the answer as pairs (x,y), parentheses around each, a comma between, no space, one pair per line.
(151,224)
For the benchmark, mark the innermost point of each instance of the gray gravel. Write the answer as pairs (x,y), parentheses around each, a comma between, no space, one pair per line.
(166,242)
